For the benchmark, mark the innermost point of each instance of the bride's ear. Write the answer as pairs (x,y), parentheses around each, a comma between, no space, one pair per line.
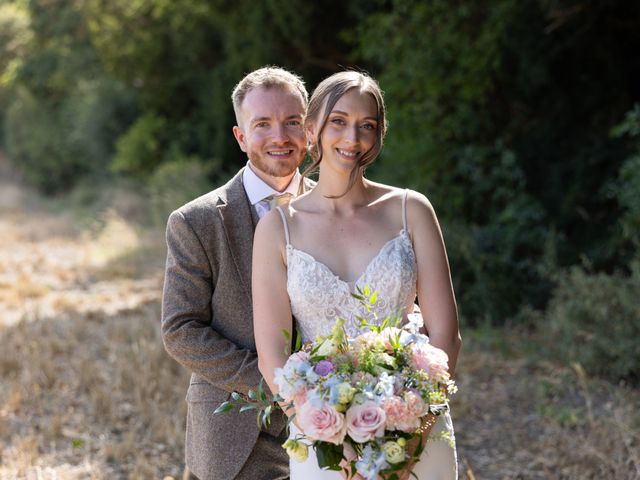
(309,130)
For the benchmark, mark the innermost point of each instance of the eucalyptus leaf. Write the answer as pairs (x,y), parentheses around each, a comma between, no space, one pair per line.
(224,408)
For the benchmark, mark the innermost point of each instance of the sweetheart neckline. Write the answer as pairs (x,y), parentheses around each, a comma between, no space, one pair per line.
(402,234)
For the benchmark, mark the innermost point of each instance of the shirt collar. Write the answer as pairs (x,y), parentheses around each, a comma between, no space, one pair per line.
(257,190)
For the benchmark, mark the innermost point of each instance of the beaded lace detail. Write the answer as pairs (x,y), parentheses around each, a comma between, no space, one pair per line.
(318,296)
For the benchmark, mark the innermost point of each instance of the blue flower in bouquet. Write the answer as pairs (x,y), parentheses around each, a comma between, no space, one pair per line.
(341,393)
(294,376)
(414,323)
(371,462)
(311,376)
(386,385)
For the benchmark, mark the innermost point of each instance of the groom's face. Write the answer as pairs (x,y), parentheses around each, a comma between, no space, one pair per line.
(270,130)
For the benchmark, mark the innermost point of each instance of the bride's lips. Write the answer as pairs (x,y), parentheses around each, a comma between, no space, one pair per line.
(347,154)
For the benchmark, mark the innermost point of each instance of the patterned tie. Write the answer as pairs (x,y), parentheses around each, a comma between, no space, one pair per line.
(277,200)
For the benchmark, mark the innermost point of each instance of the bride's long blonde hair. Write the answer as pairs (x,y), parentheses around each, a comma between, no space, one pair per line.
(322,101)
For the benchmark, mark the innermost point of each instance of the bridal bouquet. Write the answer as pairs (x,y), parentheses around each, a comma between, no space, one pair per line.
(364,398)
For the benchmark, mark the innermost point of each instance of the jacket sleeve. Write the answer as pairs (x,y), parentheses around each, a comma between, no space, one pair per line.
(190,278)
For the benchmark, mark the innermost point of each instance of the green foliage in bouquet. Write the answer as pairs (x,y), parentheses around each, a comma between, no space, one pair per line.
(257,400)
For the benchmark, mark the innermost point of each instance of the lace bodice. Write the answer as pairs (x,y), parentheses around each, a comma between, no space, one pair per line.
(318,296)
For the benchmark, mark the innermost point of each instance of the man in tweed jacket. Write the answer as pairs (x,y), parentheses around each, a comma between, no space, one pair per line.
(207,323)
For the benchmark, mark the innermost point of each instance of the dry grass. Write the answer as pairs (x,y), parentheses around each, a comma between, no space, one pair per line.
(88,392)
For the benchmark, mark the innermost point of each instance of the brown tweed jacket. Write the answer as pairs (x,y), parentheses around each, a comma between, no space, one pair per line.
(207,326)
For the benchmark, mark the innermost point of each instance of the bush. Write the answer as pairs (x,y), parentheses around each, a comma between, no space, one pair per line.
(140,150)
(175,183)
(37,144)
(57,144)
(627,188)
(594,319)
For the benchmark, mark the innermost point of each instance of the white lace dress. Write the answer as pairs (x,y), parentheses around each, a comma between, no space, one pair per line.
(318,297)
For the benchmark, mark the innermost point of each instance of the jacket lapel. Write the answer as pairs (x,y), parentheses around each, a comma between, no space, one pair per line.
(240,219)
(239,225)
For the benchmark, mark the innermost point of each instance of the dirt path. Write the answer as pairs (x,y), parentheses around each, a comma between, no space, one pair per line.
(49,263)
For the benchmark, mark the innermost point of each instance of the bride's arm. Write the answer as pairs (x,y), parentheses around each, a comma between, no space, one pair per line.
(271,307)
(435,290)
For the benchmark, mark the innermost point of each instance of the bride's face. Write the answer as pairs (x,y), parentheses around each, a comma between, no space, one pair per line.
(350,131)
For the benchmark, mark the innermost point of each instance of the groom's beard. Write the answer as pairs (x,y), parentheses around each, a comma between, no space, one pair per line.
(276,167)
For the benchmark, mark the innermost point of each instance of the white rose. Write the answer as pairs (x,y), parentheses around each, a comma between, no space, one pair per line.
(393,452)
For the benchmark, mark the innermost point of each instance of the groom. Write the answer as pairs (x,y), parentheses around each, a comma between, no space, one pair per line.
(207,323)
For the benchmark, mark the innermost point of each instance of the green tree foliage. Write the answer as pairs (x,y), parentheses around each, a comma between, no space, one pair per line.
(627,187)
(63,114)
(15,37)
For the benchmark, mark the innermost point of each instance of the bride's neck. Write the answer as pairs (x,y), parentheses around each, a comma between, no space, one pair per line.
(330,192)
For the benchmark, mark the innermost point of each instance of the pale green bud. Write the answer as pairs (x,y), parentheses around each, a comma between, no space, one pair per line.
(393,452)
(296,449)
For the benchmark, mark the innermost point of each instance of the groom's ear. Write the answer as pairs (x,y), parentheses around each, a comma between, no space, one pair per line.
(240,138)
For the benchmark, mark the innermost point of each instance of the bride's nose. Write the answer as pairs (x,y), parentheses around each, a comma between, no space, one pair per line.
(351,134)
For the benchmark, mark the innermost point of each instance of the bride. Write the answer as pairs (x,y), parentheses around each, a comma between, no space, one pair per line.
(347,232)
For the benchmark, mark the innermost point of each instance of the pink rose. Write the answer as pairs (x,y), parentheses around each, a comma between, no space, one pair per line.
(298,357)
(432,360)
(322,423)
(365,422)
(415,405)
(399,417)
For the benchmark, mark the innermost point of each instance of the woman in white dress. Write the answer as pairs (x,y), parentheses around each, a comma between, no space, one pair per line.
(347,232)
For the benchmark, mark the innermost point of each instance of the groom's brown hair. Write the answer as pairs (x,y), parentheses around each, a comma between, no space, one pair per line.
(267,77)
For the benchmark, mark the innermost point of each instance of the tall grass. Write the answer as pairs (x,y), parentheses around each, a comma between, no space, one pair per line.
(93,390)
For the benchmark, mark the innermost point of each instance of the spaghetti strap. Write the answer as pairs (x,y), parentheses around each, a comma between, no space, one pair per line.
(404,209)
(284,221)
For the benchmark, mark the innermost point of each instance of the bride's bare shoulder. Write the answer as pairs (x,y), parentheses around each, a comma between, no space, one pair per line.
(270,227)
(383,193)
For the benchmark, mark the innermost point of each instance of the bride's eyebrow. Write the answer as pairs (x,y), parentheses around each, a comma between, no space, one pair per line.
(340,112)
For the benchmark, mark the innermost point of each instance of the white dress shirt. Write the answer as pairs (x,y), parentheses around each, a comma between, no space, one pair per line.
(257,190)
